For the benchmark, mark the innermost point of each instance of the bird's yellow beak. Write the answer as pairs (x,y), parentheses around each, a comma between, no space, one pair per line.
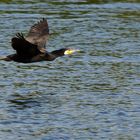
(70,51)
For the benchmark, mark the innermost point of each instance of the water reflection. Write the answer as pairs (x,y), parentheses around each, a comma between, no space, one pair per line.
(92,94)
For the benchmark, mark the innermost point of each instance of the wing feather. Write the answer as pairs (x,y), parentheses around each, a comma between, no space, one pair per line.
(23,47)
(38,34)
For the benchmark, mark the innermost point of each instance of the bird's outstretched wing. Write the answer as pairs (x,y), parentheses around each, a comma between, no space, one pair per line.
(38,34)
(23,47)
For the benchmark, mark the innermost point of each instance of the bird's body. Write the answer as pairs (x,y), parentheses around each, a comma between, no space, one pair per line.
(32,48)
(46,56)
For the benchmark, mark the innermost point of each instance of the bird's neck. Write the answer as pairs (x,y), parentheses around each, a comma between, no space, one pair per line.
(49,56)
(58,53)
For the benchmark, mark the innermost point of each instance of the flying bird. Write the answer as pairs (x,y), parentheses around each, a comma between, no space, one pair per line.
(32,48)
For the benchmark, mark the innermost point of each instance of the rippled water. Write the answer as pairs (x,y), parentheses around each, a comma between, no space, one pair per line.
(90,95)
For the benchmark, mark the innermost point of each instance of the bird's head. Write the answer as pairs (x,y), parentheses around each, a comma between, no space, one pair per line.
(63,51)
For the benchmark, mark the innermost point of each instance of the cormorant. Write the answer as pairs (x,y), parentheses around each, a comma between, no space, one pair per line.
(32,47)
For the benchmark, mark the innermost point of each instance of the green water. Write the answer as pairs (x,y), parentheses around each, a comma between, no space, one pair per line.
(91,95)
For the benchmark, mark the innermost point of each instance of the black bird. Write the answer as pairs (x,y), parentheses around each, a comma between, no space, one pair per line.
(32,48)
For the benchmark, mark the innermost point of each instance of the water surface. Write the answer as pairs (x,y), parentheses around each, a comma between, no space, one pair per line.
(93,94)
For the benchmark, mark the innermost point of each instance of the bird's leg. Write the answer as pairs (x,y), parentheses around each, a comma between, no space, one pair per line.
(5,58)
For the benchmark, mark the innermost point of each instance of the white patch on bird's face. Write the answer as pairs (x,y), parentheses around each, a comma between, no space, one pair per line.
(70,51)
